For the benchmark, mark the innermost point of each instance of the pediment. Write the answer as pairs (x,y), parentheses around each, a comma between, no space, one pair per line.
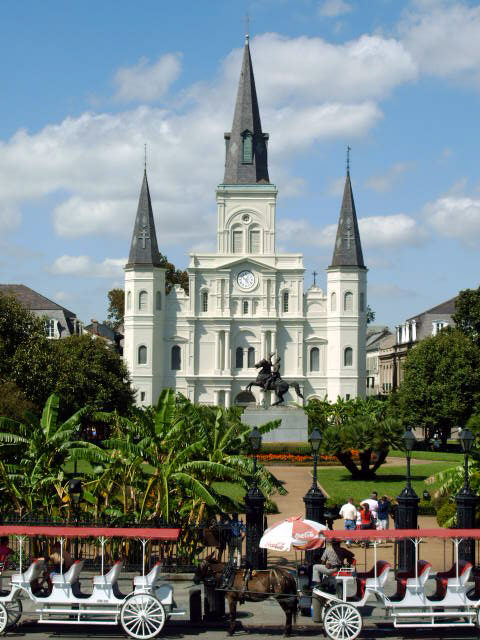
(245,261)
(316,340)
(179,339)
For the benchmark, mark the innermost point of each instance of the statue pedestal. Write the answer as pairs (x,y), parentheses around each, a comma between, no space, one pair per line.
(293,428)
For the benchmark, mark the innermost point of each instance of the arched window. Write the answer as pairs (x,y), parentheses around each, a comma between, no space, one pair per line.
(142,354)
(245,307)
(239,358)
(333,302)
(159,301)
(50,326)
(205,301)
(348,357)
(237,240)
(285,302)
(362,301)
(247,148)
(176,358)
(142,300)
(348,301)
(315,359)
(129,300)
(251,357)
(254,240)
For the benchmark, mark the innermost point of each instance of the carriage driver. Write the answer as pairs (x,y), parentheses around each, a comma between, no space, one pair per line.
(331,561)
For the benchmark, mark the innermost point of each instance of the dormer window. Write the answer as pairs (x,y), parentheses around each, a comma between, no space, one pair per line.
(247,148)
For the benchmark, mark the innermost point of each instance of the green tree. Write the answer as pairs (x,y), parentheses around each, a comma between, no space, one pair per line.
(13,401)
(467,313)
(370,314)
(441,385)
(116,307)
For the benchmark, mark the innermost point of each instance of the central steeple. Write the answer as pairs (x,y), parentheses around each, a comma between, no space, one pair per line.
(246,144)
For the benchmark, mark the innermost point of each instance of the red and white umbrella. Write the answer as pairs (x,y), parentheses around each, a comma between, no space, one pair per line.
(296,532)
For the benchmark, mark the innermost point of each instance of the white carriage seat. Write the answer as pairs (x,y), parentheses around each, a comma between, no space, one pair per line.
(111,577)
(34,571)
(417,585)
(379,582)
(70,576)
(144,582)
(463,577)
(164,593)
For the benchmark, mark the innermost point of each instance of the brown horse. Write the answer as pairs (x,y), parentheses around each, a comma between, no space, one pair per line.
(260,585)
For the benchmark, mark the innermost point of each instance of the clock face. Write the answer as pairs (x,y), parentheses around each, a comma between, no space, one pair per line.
(246,279)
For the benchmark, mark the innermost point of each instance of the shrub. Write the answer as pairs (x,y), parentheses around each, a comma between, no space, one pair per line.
(447,515)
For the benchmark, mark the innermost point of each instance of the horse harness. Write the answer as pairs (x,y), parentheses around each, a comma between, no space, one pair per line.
(227,580)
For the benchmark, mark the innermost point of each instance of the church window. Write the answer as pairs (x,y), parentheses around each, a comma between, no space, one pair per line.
(237,241)
(333,302)
(348,357)
(362,301)
(205,301)
(251,357)
(142,354)
(314,359)
(245,307)
(254,240)
(142,300)
(159,301)
(50,326)
(247,148)
(285,302)
(239,358)
(142,396)
(129,300)
(176,358)
(348,301)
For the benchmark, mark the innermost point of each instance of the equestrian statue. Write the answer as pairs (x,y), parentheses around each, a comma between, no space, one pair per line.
(269,379)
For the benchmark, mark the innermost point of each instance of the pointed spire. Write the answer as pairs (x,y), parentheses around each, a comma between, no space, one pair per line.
(348,248)
(144,248)
(246,145)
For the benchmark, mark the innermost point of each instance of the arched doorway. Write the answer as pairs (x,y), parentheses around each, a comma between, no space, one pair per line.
(245,398)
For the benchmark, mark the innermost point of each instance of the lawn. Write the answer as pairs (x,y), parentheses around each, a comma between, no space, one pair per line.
(454,458)
(339,485)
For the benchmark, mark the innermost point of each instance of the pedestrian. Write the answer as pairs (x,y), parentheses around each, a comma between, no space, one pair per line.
(383,511)
(394,513)
(237,534)
(372,503)
(349,514)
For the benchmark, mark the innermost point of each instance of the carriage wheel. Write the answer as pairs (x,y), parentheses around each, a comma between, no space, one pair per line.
(14,612)
(325,608)
(3,618)
(142,616)
(342,622)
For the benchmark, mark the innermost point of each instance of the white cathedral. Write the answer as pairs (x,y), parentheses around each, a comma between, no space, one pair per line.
(245,301)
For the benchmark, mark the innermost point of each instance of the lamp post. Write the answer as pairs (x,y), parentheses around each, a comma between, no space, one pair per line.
(407,508)
(254,507)
(314,499)
(466,501)
(76,491)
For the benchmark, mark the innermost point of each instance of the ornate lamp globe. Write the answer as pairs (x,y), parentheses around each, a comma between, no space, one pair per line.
(255,440)
(408,440)
(75,490)
(315,440)
(467,440)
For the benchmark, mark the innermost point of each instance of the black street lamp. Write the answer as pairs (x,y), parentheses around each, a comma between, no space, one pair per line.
(254,507)
(314,499)
(407,508)
(75,490)
(466,500)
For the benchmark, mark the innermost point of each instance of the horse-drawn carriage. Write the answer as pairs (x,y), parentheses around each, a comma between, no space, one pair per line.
(142,612)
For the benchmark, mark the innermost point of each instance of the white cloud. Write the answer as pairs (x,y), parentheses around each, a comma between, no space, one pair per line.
(10,217)
(147,82)
(456,217)
(84,266)
(443,37)
(386,181)
(336,186)
(333,8)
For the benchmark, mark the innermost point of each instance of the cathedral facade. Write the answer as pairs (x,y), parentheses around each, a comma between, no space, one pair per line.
(246,301)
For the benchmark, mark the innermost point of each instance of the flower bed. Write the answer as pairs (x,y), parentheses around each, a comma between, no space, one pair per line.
(298,459)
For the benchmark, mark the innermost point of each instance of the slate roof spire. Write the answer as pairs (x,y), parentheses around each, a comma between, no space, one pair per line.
(246,144)
(348,248)
(144,248)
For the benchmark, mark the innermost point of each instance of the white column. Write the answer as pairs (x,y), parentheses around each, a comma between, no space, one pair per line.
(263,345)
(273,340)
(414,330)
(228,398)
(227,366)
(217,350)
(215,398)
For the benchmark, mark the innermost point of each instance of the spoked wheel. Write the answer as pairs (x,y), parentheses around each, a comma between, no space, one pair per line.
(142,616)
(328,605)
(3,618)
(342,622)
(14,612)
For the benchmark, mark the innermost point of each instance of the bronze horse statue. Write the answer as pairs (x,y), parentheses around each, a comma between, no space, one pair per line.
(251,586)
(269,379)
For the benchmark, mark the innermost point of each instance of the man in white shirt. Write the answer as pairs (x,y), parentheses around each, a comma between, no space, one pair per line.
(349,514)
(372,503)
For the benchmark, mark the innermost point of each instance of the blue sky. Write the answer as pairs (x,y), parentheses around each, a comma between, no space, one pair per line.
(85,85)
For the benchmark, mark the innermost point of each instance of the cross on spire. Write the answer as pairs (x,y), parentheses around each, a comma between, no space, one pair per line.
(315,274)
(246,27)
(348,158)
(145,156)
(349,236)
